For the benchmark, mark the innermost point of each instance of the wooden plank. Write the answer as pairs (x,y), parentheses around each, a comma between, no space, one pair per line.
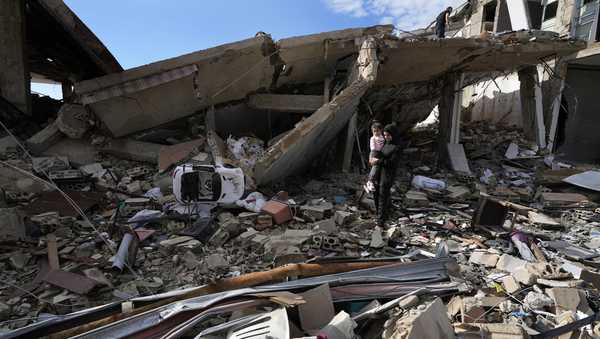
(73,282)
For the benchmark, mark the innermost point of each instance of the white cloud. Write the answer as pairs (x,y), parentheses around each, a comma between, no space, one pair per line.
(354,8)
(405,14)
(386,20)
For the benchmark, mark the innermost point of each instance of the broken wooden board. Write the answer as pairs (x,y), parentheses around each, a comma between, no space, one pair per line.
(73,282)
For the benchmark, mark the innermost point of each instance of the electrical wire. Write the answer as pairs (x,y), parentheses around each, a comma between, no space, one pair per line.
(52,184)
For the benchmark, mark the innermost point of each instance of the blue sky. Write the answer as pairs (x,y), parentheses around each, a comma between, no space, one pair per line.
(138,32)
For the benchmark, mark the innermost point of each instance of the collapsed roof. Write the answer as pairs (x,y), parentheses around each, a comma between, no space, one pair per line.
(61,47)
(347,67)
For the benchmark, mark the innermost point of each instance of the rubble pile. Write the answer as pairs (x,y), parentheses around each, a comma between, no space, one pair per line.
(222,193)
(522,245)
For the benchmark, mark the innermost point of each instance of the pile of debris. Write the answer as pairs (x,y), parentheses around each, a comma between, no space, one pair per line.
(503,246)
(161,201)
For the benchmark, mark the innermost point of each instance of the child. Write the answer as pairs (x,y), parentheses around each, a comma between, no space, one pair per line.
(375,144)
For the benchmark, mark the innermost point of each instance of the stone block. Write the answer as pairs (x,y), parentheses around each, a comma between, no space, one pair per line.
(484,258)
(508,263)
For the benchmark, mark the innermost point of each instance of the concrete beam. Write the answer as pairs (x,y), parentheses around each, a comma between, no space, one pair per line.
(286,103)
(532,106)
(44,139)
(78,31)
(15,83)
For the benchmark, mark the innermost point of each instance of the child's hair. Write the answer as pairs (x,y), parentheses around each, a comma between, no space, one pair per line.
(376,124)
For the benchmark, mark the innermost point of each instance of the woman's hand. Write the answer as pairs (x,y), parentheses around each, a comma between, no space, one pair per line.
(373,161)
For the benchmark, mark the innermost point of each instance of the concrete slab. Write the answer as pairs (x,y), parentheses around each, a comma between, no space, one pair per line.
(180,86)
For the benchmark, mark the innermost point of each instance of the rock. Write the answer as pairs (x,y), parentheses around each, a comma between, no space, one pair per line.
(427,321)
(510,284)
(45,138)
(216,261)
(13,225)
(416,199)
(219,238)
(171,243)
(249,217)
(232,226)
(18,260)
(484,258)
(458,192)
(95,170)
(508,263)
(328,226)
(127,290)
(23,309)
(249,234)
(525,276)
(97,275)
(73,120)
(537,301)
(85,250)
(569,299)
(190,260)
(5,311)
(263,222)
(316,210)
(135,187)
(342,218)
(377,238)
(6,143)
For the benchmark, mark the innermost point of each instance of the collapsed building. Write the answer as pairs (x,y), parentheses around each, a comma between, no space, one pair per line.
(99,245)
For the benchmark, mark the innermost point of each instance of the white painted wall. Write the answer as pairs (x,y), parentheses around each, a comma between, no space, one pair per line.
(493,104)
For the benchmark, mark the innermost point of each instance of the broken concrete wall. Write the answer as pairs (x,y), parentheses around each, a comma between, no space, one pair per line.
(312,58)
(233,120)
(295,150)
(489,102)
(160,92)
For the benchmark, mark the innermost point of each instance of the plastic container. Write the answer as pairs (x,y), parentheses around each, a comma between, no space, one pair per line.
(420,181)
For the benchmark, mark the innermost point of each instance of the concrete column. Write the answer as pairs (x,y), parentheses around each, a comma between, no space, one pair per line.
(67,90)
(532,106)
(554,96)
(326,90)
(527,92)
(447,112)
(15,83)
(457,110)
(350,140)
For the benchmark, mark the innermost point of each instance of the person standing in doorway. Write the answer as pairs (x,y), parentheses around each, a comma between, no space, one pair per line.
(441,21)
(388,162)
